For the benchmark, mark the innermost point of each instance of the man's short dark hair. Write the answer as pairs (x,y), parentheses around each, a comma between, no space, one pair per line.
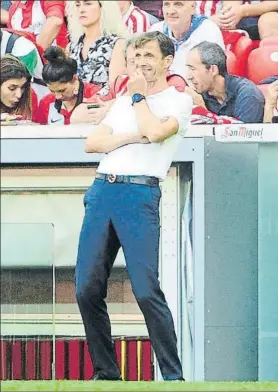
(212,54)
(165,44)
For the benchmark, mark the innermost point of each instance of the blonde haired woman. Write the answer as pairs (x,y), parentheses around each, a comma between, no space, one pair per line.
(97,42)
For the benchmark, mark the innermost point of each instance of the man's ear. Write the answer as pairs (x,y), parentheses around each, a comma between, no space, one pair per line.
(193,7)
(215,70)
(168,60)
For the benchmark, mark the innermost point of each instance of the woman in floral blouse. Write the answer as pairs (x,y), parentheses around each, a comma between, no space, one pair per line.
(96,41)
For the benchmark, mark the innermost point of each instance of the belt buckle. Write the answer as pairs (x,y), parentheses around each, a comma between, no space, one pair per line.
(112,178)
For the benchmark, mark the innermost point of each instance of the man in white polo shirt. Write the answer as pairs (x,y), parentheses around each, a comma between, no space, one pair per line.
(139,135)
(186,30)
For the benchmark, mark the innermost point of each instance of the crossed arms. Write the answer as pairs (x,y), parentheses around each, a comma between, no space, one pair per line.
(152,129)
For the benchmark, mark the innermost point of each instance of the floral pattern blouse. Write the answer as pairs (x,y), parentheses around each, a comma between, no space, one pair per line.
(95,68)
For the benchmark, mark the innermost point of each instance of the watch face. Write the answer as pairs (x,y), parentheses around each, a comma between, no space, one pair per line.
(137,98)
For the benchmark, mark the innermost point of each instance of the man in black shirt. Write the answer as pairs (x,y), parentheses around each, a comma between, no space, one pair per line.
(213,88)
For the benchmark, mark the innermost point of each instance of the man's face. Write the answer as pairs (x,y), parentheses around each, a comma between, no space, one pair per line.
(199,76)
(178,13)
(63,91)
(150,61)
(12,91)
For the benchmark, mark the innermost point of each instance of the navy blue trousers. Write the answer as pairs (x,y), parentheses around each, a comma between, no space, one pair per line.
(126,215)
(250,24)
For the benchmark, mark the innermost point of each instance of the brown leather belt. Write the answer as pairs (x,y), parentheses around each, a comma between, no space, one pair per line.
(140,180)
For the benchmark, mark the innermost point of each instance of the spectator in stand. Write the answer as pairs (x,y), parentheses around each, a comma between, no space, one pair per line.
(258,17)
(17,97)
(5,5)
(150,6)
(271,101)
(26,51)
(20,47)
(67,90)
(214,89)
(44,19)
(96,29)
(209,8)
(186,30)
(136,20)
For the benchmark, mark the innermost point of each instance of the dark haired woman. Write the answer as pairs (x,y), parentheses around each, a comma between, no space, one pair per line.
(67,90)
(17,97)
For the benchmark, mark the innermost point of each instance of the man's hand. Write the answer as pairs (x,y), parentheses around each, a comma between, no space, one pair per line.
(93,116)
(230,17)
(97,115)
(216,18)
(272,95)
(197,98)
(137,84)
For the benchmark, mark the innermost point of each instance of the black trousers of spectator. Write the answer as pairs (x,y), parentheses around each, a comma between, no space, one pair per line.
(250,24)
(127,215)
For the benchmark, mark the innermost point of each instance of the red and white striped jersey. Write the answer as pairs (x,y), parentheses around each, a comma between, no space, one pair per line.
(136,20)
(211,7)
(208,7)
(30,16)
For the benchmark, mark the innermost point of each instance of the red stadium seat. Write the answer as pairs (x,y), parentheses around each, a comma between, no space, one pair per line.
(88,367)
(4,360)
(60,360)
(17,360)
(242,50)
(74,359)
(262,63)
(255,44)
(45,359)
(30,359)
(232,63)
(118,352)
(147,361)
(238,47)
(132,357)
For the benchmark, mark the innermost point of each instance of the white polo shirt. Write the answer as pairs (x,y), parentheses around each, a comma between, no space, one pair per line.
(207,31)
(152,159)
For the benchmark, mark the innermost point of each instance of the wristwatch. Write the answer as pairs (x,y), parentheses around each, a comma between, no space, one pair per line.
(137,98)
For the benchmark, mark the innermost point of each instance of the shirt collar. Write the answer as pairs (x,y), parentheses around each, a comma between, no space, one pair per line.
(59,104)
(229,92)
(128,12)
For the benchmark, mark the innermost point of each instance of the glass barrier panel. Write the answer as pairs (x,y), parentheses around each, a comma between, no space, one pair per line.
(27,301)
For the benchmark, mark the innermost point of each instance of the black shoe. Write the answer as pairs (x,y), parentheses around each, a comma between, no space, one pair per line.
(101,377)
